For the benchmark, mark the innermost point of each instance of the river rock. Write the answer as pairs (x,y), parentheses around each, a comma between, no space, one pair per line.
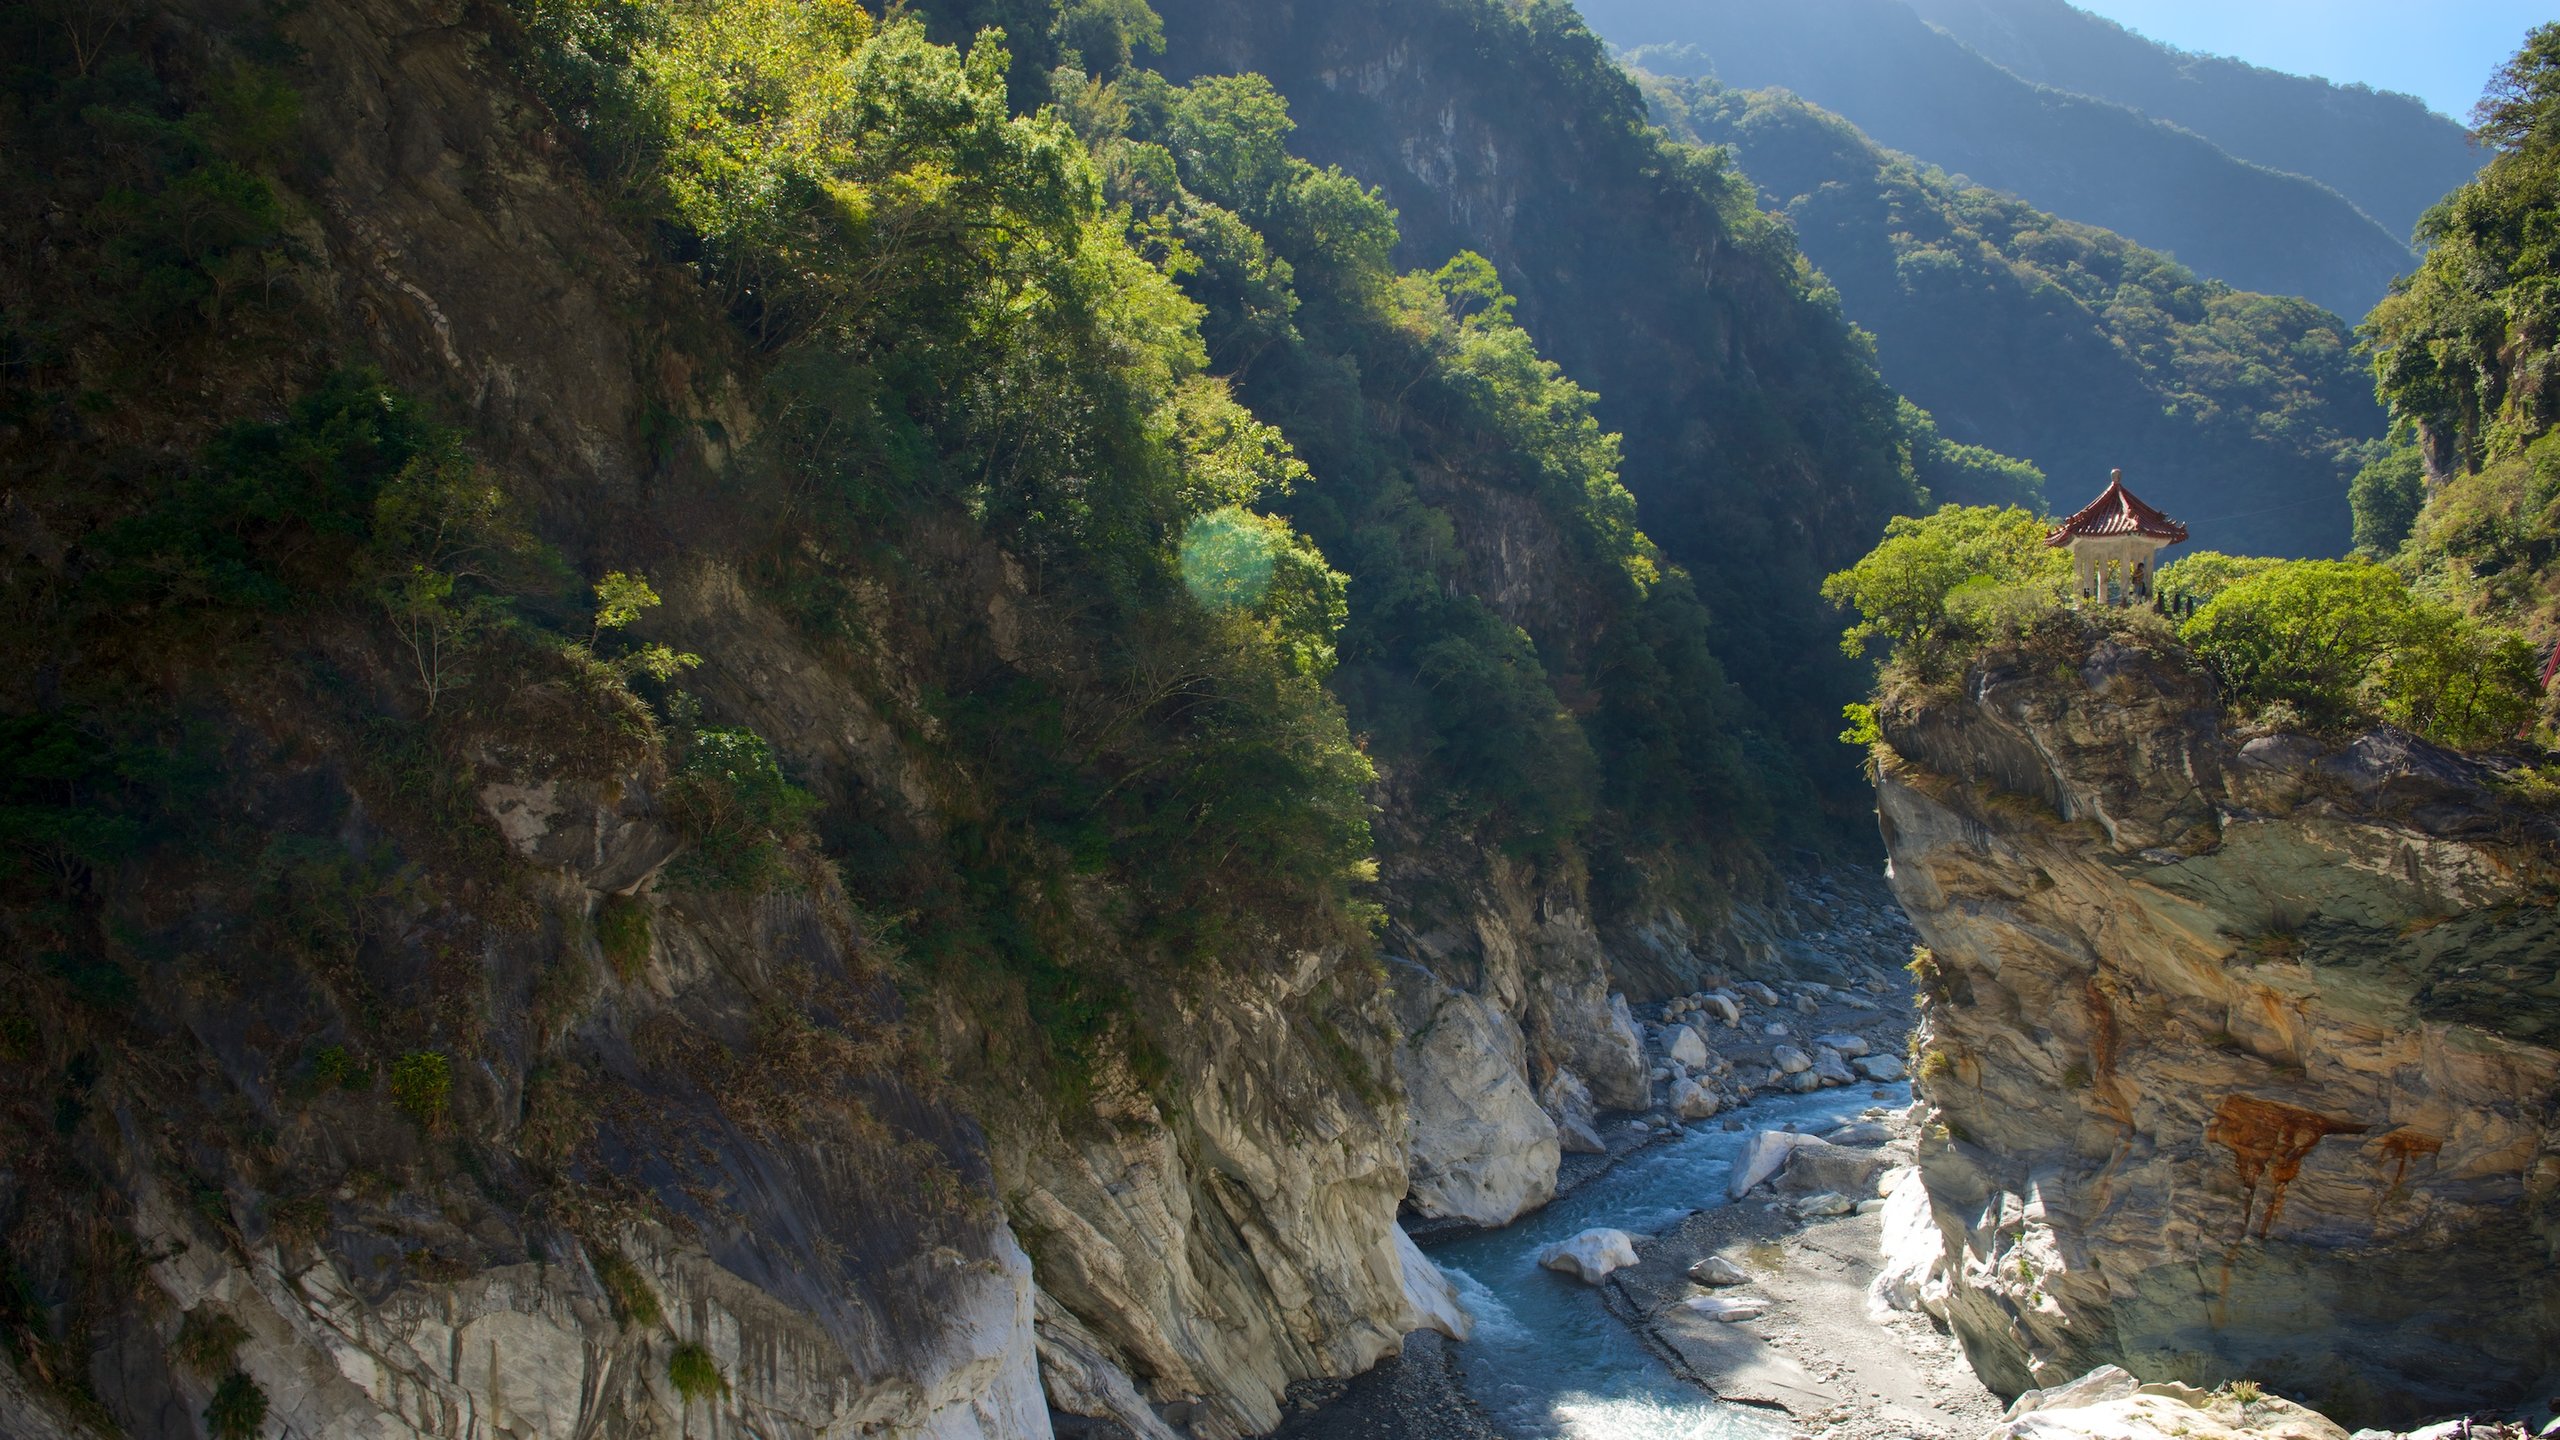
(2321,1043)
(1759,991)
(1693,1101)
(1727,1308)
(1762,1157)
(1807,1005)
(1859,1132)
(1815,1165)
(1685,1048)
(1849,1046)
(1830,1069)
(1723,1006)
(1825,1202)
(1717,1270)
(1789,1060)
(1880,1069)
(1591,1255)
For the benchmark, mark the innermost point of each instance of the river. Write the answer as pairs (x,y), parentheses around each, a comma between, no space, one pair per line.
(1547,1361)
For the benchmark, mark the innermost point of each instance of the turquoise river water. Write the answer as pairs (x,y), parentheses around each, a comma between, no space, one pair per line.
(1547,1361)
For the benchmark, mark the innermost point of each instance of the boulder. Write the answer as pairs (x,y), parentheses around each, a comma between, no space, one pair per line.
(1685,1048)
(1831,1069)
(1693,1101)
(1815,1165)
(1807,1005)
(1591,1255)
(1913,1276)
(1859,1132)
(1790,1061)
(1727,1308)
(2108,1404)
(1717,1270)
(1825,1202)
(1881,1069)
(1850,1046)
(1724,1007)
(1762,1157)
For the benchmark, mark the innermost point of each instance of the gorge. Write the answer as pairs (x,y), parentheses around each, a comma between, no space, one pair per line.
(801,719)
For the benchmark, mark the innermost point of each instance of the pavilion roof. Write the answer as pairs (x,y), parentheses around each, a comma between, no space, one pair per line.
(2116,511)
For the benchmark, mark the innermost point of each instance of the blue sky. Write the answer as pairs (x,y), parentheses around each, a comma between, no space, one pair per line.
(2438,50)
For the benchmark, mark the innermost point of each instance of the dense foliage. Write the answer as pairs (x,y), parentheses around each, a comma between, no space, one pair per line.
(1940,585)
(2327,642)
(2059,342)
(2465,353)
(1761,446)
(1410,394)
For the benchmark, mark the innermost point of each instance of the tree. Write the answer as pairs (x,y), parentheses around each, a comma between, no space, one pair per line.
(1902,588)
(2302,634)
(2523,98)
(2386,498)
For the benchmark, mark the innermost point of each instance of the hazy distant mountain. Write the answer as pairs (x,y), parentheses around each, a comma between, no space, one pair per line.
(2060,343)
(2388,153)
(1916,89)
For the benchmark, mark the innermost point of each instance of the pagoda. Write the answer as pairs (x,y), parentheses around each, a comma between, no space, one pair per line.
(2113,539)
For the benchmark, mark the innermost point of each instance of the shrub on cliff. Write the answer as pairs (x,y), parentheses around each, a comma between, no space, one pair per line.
(2336,641)
(1940,584)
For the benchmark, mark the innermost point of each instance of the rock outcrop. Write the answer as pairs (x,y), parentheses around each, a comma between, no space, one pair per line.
(2238,1051)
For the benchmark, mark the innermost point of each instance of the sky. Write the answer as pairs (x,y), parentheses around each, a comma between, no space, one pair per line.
(2441,51)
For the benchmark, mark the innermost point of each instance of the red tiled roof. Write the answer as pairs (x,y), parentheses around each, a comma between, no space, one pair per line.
(2116,512)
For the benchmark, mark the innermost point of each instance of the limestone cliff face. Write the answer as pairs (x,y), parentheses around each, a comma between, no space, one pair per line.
(2241,1053)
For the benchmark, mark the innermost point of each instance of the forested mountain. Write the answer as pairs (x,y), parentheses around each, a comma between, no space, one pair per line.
(1757,439)
(2061,343)
(2388,153)
(1916,89)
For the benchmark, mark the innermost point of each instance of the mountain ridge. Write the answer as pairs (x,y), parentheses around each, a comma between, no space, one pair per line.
(1916,89)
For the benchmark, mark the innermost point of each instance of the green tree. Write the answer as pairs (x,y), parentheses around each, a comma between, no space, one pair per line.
(2303,634)
(2456,680)
(2386,496)
(1902,588)
(2522,104)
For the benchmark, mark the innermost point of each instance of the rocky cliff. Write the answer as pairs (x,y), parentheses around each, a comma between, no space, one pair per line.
(412,1093)
(2240,1051)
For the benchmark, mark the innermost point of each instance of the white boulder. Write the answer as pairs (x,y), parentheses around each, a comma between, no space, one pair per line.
(1591,1255)
(1790,1060)
(1685,1048)
(1727,1308)
(1850,1046)
(1831,1069)
(1723,1006)
(1763,1156)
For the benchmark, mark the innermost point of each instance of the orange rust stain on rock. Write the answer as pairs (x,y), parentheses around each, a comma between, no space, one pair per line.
(2268,1140)
(2106,1046)
(2400,1147)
